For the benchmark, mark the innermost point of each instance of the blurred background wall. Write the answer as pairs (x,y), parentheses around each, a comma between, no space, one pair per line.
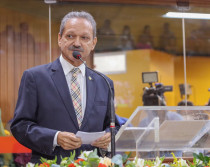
(24,43)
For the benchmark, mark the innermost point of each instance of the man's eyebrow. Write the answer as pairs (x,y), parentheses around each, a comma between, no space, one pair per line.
(88,34)
(84,33)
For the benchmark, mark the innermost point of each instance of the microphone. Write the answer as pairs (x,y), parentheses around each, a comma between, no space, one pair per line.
(77,55)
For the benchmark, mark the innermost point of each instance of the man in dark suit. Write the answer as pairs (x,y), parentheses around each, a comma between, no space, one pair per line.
(49,112)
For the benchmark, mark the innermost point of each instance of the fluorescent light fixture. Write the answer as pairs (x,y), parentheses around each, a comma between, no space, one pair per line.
(50,1)
(187,15)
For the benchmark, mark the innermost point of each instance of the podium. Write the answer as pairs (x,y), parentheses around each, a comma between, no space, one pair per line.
(162,129)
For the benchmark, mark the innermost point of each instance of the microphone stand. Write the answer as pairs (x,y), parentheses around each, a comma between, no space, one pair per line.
(112,109)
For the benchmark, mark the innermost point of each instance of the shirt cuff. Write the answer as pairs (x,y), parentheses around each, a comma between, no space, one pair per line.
(55,140)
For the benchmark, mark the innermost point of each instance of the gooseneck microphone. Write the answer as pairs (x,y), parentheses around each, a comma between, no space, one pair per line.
(77,55)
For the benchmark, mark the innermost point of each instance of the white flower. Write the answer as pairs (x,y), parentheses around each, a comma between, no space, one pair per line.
(30,164)
(199,162)
(106,161)
(101,160)
(138,162)
(157,162)
(63,162)
(84,155)
(183,162)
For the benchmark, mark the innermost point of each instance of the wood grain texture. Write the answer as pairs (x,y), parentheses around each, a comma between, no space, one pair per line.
(19,50)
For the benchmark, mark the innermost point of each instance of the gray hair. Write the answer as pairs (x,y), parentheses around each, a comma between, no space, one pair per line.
(76,14)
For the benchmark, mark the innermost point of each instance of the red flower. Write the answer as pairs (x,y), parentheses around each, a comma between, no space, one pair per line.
(71,165)
(79,160)
(44,165)
(101,165)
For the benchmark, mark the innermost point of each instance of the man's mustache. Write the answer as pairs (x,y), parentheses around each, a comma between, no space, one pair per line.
(73,48)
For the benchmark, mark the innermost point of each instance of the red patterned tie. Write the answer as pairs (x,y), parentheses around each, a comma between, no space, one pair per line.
(76,95)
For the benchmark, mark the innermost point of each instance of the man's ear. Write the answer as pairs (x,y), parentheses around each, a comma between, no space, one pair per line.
(94,43)
(59,39)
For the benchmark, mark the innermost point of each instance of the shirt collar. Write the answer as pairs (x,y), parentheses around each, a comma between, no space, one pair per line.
(67,67)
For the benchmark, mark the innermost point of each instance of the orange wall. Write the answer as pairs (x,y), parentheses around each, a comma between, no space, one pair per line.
(129,86)
(197,75)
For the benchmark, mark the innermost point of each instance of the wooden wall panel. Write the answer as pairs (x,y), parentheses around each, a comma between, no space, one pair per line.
(20,49)
(10,70)
(3,63)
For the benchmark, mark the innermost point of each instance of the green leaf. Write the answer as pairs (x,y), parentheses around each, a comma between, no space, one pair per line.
(195,155)
(125,157)
(93,159)
(149,162)
(201,157)
(72,156)
(130,164)
(43,160)
(85,163)
(49,161)
(117,159)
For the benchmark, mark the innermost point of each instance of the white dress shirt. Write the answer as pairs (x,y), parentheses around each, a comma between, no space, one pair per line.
(67,67)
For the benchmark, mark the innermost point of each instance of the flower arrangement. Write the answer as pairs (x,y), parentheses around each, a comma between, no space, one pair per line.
(91,159)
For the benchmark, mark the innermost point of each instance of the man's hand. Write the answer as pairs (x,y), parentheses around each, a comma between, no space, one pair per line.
(68,141)
(103,141)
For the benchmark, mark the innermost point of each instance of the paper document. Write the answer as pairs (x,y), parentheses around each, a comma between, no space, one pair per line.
(89,137)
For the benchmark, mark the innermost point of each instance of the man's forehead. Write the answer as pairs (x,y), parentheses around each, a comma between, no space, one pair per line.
(75,21)
(78,25)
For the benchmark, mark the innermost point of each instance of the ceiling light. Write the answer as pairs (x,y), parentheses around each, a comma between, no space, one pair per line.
(187,15)
(50,1)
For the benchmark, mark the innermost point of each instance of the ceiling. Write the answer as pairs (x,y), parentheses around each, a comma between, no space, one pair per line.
(200,3)
(40,9)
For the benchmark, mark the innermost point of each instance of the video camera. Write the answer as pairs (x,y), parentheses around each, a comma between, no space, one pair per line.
(154,95)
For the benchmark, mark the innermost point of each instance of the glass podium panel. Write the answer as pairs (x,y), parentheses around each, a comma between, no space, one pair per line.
(165,129)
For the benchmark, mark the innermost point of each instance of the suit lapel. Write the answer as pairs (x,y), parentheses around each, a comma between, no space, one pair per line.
(59,79)
(91,91)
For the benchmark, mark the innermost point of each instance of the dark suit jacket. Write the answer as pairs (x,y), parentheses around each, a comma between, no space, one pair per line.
(44,107)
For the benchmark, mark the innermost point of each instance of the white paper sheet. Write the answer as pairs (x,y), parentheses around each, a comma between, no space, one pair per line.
(89,137)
